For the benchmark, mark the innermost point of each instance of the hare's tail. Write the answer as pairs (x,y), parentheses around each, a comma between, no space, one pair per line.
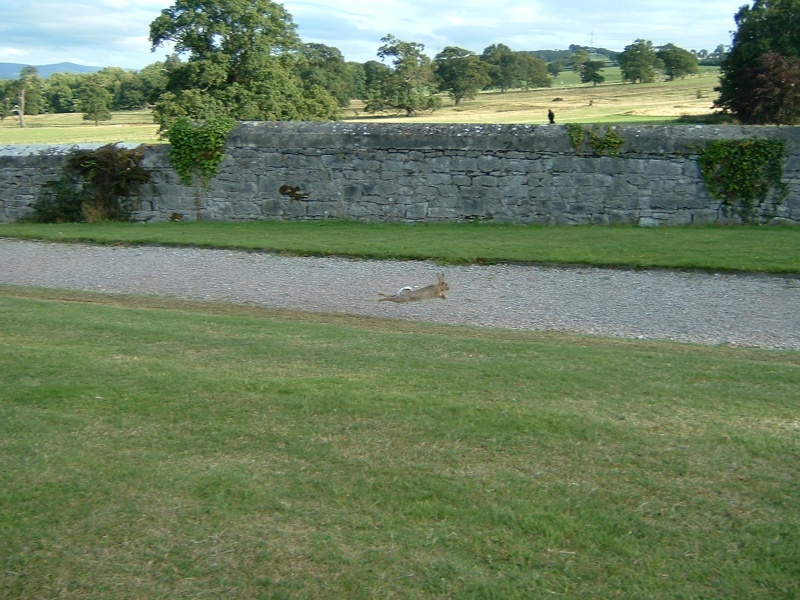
(400,295)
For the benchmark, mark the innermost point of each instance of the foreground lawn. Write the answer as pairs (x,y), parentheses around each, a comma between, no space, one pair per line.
(755,249)
(165,449)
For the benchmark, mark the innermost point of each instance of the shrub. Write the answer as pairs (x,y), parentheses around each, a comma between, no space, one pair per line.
(95,185)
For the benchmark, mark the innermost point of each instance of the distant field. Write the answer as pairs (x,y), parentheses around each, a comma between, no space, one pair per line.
(70,128)
(572,102)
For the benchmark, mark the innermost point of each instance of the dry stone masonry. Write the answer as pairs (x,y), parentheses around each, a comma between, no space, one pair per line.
(429,173)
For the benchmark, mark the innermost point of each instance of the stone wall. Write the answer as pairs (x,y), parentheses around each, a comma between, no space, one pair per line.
(431,173)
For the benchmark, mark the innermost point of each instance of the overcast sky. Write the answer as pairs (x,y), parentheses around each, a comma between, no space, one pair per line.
(114,32)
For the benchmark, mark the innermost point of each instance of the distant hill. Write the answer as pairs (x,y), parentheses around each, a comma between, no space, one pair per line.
(12,70)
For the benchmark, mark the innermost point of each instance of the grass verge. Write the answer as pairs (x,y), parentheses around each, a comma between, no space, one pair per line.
(158,448)
(744,248)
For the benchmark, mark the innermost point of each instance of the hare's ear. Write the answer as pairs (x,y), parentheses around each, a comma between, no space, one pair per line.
(440,277)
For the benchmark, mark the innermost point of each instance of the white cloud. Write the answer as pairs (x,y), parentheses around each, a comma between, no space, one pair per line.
(115,32)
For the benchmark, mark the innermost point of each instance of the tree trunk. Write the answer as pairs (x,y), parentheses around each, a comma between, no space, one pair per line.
(21,107)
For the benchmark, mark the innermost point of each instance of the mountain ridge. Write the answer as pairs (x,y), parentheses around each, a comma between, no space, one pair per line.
(12,70)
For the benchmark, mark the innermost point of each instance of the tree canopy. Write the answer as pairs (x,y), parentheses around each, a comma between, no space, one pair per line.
(461,73)
(509,69)
(27,92)
(637,62)
(325,66)
(761,72)
(409,85)
(241,61)
(677,61)
(95,100)
(590,72)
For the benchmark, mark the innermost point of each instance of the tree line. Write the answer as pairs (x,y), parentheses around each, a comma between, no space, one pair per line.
(411,82)
(243,60)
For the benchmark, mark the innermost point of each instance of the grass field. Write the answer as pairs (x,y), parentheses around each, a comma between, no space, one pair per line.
(166,449)
(741,248)
(157,448)
(613,102)
(132,126)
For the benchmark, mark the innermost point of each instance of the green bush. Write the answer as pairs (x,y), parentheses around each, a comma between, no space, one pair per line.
(95,185)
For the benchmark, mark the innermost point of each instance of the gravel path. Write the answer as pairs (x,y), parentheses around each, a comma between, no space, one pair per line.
(741,310)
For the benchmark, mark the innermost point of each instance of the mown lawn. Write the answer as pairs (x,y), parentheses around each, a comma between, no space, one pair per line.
(166,449)
(746,248)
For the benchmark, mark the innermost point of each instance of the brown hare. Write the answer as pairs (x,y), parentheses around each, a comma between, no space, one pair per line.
(409,294)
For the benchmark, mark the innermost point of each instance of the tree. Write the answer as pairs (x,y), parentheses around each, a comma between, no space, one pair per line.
(578,60)
(677,61)
(154,81)
(591,72)
(532,71)
(358,78)
(59,92)
(239,64)
(637,62)
(6,98)
(374,72)
(504,68)
(408,86)
(748,85)
(95,100)
(324,66)
(28,93)
(461,73)
(773,86)
(555,68)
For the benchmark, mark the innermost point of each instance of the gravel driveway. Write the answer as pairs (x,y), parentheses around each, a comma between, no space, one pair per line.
(741,310)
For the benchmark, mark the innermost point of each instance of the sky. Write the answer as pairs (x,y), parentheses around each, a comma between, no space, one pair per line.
(114,33)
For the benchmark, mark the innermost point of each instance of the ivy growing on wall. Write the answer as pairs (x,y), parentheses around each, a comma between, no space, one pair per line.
(745,174)
(95,185)
(197,148)
(602,141)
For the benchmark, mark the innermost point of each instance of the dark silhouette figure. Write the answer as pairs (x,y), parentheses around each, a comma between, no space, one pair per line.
(552,116)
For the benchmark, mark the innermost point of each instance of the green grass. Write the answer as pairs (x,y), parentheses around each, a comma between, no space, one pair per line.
(688,100)
(741,248)
(70,128)
(661,102)
(166,449)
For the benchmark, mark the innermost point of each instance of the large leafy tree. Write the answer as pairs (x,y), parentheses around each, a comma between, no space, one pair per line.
(325,66)
(358,79)
(590,72)
(6,98)
(95,100)
(637,62)
(677,61)
(374,73)
(758,75)
(504,68)
(240,64)
(461,73)
(409,85)
(773,91)
(532,71)
(28,92)
(153,81)
(509,69)
(578,60)
(60,91)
